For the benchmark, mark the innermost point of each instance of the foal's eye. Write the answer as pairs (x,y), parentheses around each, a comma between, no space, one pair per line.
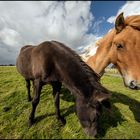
(119,46)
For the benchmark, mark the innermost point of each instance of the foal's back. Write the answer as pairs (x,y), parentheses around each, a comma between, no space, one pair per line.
(52,61)
(45,61)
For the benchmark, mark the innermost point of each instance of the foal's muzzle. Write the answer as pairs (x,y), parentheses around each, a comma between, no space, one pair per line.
(91,131)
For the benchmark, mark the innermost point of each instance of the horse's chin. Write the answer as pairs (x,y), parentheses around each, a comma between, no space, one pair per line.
(135,88)
(131,84)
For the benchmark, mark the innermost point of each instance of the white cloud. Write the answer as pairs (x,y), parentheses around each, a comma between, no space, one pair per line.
(31,22)
(111,19)
(90,49)
(10,37)
(130,8)
(96,25)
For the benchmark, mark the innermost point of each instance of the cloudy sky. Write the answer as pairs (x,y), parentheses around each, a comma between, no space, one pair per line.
(75,23)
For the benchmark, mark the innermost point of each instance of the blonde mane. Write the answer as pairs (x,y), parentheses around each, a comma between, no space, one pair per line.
(133,21)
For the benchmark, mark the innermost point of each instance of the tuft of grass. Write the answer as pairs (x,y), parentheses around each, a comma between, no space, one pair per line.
(122,122)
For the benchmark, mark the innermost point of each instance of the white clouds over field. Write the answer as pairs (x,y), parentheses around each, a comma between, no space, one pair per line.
(31,22)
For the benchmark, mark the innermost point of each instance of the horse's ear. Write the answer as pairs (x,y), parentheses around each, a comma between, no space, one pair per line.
(119,23)
(102,96)
(106,103)
(104,99)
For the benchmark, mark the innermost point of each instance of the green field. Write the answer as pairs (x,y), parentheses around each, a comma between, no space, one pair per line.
(122,122)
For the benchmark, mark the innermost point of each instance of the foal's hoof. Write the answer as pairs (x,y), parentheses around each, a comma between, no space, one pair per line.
(62,120)
(30,123)
(5,109)
(29,99)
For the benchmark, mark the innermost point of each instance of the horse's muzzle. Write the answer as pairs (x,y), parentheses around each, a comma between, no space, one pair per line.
(134,85)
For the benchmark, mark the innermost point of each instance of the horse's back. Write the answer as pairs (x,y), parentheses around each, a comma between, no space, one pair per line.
(47,60)
(44,59)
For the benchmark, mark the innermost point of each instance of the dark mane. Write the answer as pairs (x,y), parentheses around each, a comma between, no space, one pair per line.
(91,79)
(87,69)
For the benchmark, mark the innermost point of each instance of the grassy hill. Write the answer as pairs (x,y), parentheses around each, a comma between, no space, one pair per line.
(122,122)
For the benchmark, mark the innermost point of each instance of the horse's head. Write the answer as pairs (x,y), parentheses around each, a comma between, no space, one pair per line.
(126,50)
(88,111)
(121,46)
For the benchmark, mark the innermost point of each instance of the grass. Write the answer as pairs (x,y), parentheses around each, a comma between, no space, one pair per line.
(122,122)
(111,71)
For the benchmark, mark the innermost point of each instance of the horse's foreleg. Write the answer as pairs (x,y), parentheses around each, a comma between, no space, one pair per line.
(28,89)
(56,91)
(37,90)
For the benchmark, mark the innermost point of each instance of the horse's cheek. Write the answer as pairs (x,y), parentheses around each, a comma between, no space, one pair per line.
(113,55)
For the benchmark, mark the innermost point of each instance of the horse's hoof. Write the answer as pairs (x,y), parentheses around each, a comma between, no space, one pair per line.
(29,99)
(62,120)
(5,109)
(30,123)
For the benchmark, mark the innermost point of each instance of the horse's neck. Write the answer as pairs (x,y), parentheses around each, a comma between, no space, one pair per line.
(98,62)
(79,91)
(79,85)
(91,62)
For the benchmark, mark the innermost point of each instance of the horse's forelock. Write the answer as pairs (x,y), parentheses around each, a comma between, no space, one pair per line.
(133,21)
(107,38)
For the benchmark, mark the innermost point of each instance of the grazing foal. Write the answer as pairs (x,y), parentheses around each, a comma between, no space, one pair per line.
(53,63)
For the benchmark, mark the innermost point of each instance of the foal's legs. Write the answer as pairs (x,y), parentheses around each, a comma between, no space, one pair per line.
(56,91)
(37,90)
(28,89)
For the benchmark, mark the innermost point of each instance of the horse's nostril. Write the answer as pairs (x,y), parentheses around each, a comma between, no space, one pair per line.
(133,84)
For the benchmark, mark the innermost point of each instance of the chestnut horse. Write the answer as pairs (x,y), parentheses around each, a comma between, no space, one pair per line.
(53,63)
(120,46)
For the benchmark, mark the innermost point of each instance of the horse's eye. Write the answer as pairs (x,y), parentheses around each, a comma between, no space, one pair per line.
(119,46)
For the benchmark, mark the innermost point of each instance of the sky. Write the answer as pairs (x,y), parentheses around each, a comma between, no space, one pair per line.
(74,23)
(102,10)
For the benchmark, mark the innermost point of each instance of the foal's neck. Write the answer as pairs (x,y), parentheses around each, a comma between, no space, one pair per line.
(79,84)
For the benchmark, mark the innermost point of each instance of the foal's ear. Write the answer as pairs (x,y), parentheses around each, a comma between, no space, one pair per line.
(104,99)
(106,103)
(102,96)
(119,23)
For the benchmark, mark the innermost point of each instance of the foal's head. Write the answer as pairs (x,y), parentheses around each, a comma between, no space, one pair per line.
(89,110)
